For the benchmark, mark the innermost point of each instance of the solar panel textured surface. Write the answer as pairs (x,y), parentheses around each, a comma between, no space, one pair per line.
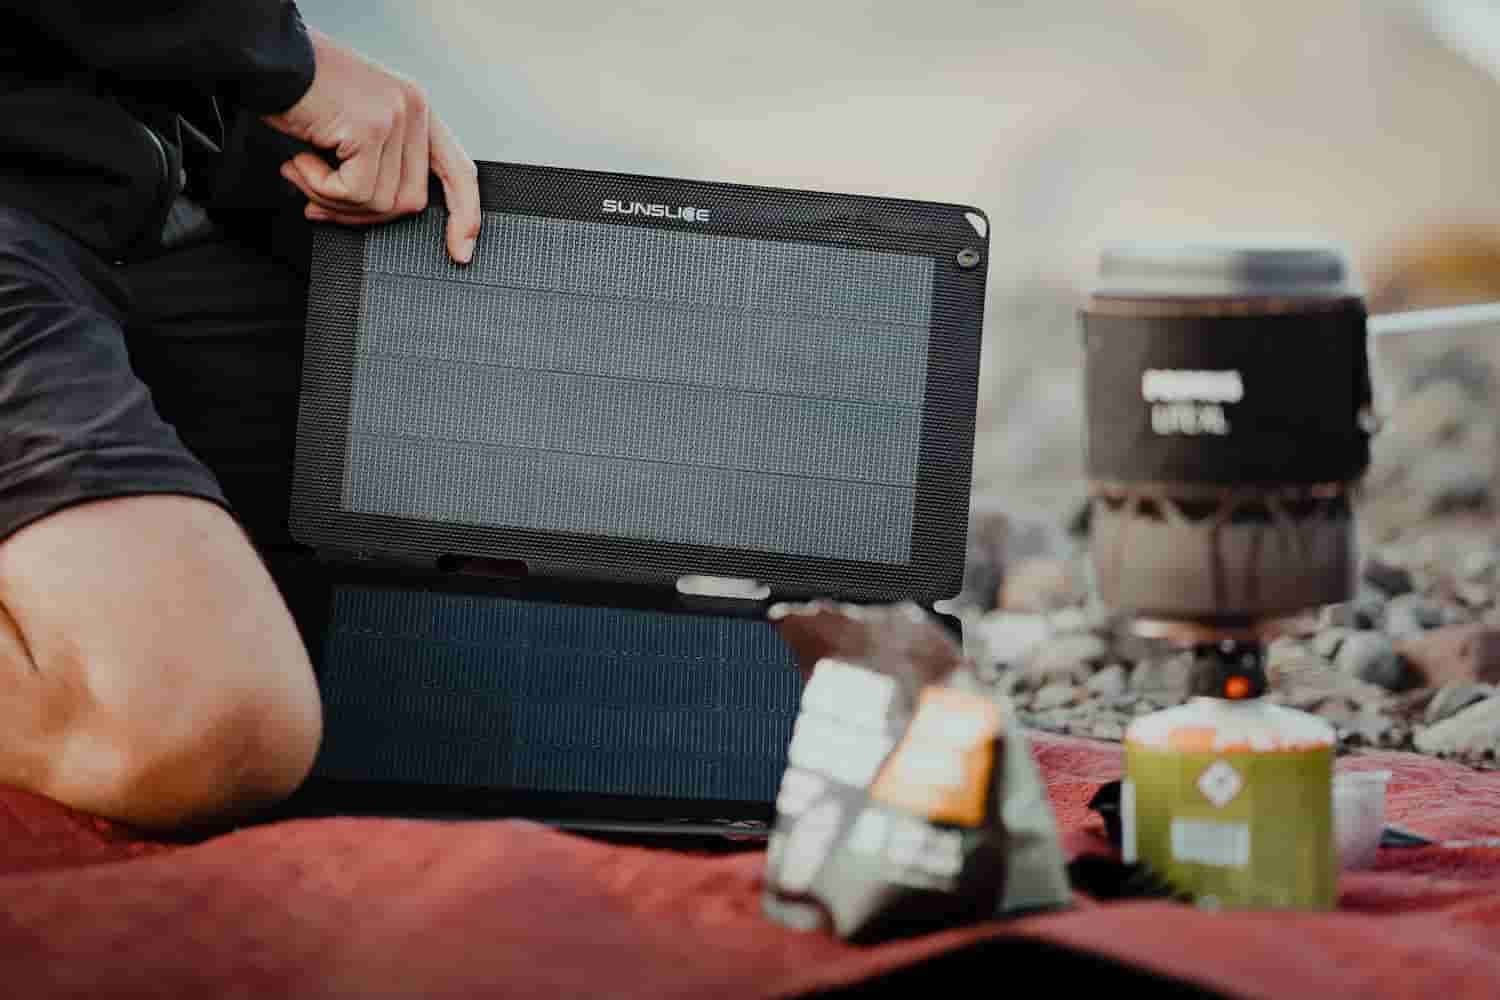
(785,393)
(476,691)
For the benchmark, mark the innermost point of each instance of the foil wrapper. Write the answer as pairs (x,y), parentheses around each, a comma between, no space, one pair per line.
(911,801)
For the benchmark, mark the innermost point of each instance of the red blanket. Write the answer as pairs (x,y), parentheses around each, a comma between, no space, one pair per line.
(358,907)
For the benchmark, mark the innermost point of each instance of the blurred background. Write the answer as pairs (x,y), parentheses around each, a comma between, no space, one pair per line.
(1070,122)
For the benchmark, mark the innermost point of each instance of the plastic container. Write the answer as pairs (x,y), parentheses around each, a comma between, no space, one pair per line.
(1359,816)
(1232,802)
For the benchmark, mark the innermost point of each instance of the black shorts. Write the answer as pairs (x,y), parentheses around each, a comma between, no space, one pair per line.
(174,375)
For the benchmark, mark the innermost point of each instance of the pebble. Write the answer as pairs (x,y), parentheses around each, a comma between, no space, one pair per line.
(1358,614)
(1391,581)
(1370,730)
(1477,565)
(1065,657)
(1079,727)
(1453,483)
(1372,657)
(1040,584)
(1055,695)
(1412,660)
(1006,637)
(1076,621)
(1476,595)
(1339,711)
(1456,653)
(1327,642)
(1454,697)
(1107,729)
(1130,648)
(1411,614)
(1472,734)
(1170,677)
(1109,682)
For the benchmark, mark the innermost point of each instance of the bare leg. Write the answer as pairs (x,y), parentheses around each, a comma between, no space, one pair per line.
(149,670)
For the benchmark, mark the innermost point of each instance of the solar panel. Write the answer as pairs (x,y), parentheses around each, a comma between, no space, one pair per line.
(464,690)
(691,379)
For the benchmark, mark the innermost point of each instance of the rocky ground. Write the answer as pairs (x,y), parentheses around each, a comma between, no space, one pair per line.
(1412,662)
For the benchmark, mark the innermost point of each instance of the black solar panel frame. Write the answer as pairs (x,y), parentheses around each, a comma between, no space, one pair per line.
(940,231)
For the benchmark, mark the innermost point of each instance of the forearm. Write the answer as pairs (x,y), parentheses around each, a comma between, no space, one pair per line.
(255,53)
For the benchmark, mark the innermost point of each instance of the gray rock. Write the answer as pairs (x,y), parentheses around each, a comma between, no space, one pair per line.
(1065,657)
(1006,637)
(1411,614)
(1477,565)
(1078,727)
(1169,677)
(1327,642)
(1041,583)
(1285,651)
(1077,621)
(1369,729)
(1453,698)
(1436,409)
(1390,580)
(1339,711)
(1337,616)
(1058,694)
(1123,704)
(1457,653)
(1109,682)
(1107,729)
(1473,734)
(1131,648)
(1366,592)
(1047,723)
(1476,595)
(1308,699)
(1453,482)
(1369,611)
(1294,667)
(1372,657)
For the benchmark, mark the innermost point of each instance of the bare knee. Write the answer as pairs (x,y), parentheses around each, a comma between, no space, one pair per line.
(163,680)
(205,752)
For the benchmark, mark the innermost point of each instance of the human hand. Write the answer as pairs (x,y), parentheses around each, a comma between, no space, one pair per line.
(387,141)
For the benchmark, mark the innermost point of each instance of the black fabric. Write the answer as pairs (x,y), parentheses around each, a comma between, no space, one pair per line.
(1305,380)
(90,93)
(99,363)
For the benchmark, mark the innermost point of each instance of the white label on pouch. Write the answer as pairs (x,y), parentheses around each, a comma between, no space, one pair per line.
(1220,783)
(1200,842)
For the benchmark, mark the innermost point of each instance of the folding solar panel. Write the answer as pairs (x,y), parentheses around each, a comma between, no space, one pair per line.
(639,379)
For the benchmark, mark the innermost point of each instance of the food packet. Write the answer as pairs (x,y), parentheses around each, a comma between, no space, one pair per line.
(911,801)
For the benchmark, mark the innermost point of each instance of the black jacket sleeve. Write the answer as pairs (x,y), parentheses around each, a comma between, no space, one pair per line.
(253,53)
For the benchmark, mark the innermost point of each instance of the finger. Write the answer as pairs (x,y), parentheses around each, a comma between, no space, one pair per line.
(315,213)
(416,164)
(388,183)
(294,173)
(461,188)
(353,184)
